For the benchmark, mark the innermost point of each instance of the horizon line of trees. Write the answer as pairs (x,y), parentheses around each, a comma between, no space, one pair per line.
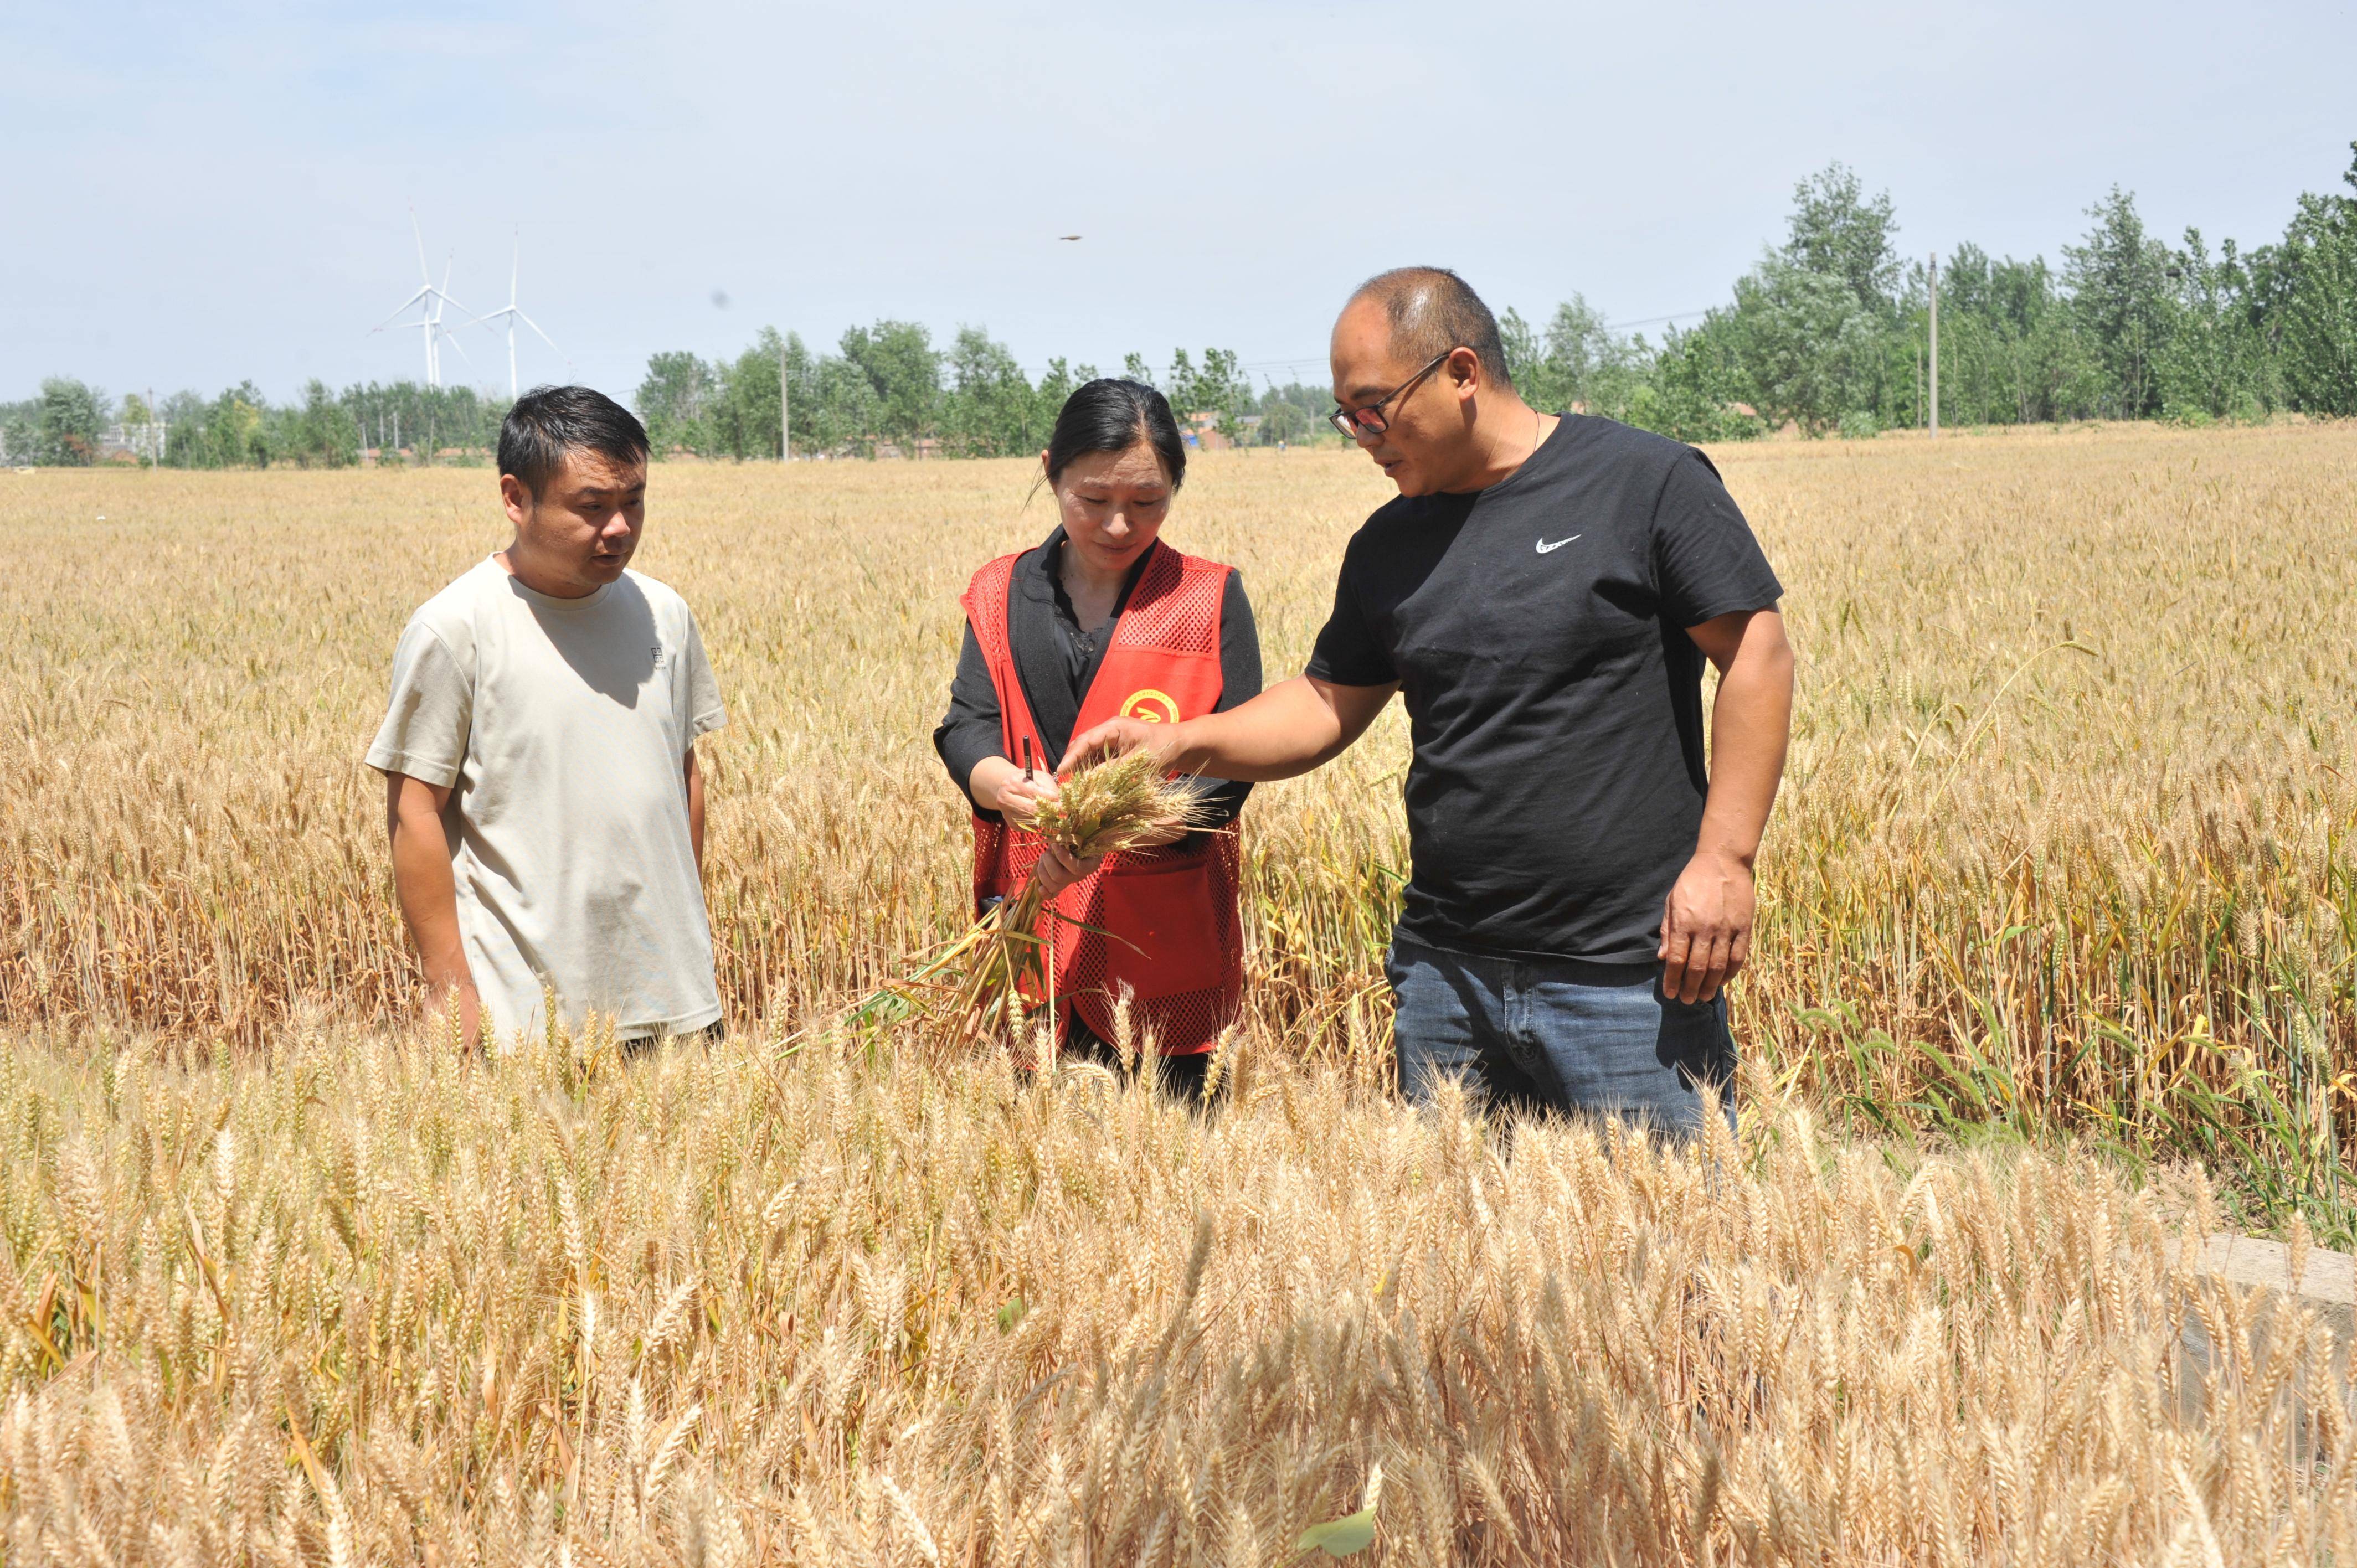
(70,424)
(888,386)
(1830,330)
(1827,332)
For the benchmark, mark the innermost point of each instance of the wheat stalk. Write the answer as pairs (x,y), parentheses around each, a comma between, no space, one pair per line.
(1114,807)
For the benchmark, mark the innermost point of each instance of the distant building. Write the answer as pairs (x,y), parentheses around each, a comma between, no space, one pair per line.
(130,443)
(1203,432)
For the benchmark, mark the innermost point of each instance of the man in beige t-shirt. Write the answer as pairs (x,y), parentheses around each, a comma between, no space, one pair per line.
(539,752)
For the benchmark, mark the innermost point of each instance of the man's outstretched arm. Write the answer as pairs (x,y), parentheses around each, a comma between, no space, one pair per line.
(1706,921)
(1288,730)
(428,893)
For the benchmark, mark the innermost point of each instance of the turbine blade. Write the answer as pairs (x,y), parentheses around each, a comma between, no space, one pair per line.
(405,305)
(544,337)
(419,235)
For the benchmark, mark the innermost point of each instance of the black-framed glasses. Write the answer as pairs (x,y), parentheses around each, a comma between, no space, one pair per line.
(1369,421)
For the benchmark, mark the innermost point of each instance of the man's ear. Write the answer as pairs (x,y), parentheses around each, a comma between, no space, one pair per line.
(516,497)
(1464,371)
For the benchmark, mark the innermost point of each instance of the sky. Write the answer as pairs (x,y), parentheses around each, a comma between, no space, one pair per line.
(197,196)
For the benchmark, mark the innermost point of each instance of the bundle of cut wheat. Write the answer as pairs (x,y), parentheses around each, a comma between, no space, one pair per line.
(1127,803)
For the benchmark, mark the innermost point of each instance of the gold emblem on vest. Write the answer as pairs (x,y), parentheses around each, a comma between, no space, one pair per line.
(1154,707)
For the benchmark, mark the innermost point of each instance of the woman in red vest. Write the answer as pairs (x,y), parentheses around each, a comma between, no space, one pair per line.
(1105,619)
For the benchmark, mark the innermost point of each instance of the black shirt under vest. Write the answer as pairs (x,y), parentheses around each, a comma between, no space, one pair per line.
(1056,661)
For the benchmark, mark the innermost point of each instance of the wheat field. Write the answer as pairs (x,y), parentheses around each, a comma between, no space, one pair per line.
(2065,840)
(2065,856)
(366,1301)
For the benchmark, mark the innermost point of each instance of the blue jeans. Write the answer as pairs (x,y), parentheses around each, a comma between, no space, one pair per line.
(1542,1033)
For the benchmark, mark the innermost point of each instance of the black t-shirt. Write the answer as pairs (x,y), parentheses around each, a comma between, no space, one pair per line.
(1537,633)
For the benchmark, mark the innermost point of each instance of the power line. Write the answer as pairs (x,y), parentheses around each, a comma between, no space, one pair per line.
(1657,320)
(1319,360)
(1608,326)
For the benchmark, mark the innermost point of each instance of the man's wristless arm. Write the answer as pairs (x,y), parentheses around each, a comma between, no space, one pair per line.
(1285,732)
(1750,728)
(422,879)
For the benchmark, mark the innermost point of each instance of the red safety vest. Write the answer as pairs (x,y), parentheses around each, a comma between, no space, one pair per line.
(1174,939)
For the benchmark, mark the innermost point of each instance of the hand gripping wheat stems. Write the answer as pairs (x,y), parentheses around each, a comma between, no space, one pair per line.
(1110,808)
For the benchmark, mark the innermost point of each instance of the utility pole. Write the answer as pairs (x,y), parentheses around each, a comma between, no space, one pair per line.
(785,427)
(1935,345)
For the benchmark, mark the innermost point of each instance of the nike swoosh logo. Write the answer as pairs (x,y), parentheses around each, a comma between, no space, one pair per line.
(1544,546)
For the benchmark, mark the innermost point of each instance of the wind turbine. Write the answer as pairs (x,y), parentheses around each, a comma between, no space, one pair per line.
(429,302)
(514,313)
(438,334)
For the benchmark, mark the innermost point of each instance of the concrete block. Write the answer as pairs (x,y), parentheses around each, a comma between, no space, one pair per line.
(2328,1281)
(2325,1294)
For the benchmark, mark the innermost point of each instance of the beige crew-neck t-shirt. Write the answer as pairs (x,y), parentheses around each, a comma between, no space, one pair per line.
(562,728)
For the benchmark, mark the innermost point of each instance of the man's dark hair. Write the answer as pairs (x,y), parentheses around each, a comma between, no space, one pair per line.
(1432,310)
(1113,415)
(547,422)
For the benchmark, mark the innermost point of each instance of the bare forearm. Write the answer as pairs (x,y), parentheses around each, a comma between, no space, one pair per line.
(429,900)
(1285,732)
(696,809)
(1750,727)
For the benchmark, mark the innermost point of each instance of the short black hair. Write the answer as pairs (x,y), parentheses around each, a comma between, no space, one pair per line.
(1110,414)
(1432,310)
(547,422)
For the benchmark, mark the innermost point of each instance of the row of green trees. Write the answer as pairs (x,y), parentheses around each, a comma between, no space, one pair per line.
(72,423)
(1830,330)
(888,385)
(61,427)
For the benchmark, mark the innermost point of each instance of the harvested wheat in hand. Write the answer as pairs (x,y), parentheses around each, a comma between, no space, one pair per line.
(1125,804)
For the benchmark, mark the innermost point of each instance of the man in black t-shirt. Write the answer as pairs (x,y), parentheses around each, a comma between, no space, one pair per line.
(1543,595)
